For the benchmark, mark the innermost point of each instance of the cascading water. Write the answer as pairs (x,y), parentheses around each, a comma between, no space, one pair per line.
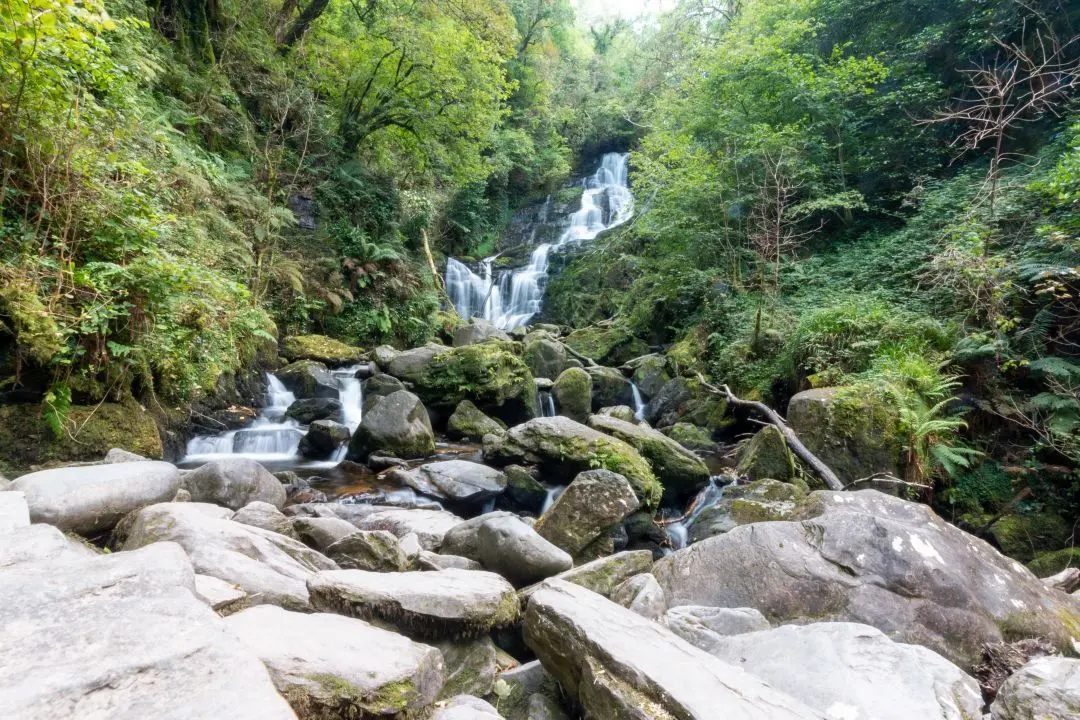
(546,402)
(515,298)
(679,532)
(552,495)
(639,402)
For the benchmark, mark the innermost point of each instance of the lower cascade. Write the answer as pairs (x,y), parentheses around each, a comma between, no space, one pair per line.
(512,299)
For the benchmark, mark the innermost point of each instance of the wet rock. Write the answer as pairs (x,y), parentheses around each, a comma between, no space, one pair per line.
(615,663)
(681,471)
(378,463)
(319,348)
(323,663)
(643,595)
(545,357)
(609,387)
(703,627)
(321,533)
(458,480)
(466,707)
(397,424)
(323,439)
(447,604)
(309,410)
(309,379)
(477,331)
(760,501)
(619,412)
(372,550)
(572,392)
(524,489)
(222,597)
(264,515)
(93,498)
(470,666)
(233,483)
(870,558)
(1047,687)
(593,503)
(767,456)
(468,422)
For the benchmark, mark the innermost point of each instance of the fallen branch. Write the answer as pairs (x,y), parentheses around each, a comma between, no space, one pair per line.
(887,479)
(820,469)
(589,362)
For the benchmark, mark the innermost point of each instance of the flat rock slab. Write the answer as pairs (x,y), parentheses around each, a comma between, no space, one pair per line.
(621,665)
(446,604)
(14,512)
(35,543)
(459,480)
(122,637)
(323,663)
(222,597)
(92,498)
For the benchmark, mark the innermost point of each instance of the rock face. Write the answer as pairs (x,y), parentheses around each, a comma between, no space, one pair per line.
(396,425)
(684,400)
(511,548)
(563,447)
(477,331)
(322,439)
(573,394)
(857,436)
(704,627)
(470,423)
(459,480)
(122,636)
(333,665)
(309,410)
(617,664)
(93,498)
(593,503)
(545,357)
(309,379)
(767,456)
(271,568)
(681,471)
(838,670)
(320,349)
(1046,688)
(870,558)
(445,604)
(233,483)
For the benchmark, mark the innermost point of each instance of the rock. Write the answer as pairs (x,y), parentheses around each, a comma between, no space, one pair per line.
(692,438)
(372,550)
(447,604)
(594,502)
(841,666)
(766,456)
(609,387)
(681,471)
(119,455)
(541,707)
(619,412)
(426,560)
(685,400)
(524,489)
(614,345)
(572,392)
(26,441)
(122,636)
(469,423)
(323,439)
(1068,580)
(1046,688)
(410,545)
(603,575)
(525,683)
(470,666)
(511,548)
(384,355)
(378,463)
(233,483)
(490,374)
(458,480)
(649,373)
(309,379)
(264,515)
(855,434)
(309,410)
(463,539)
(14,512)
(398,424)
(643,595)
(222,597)
(92,498)
(321,533)
(760,501)
(379,387)
(271,568)
(545,357)
(334,666)
(465,707)
(564,448)
(618,664)
(703,627)
(333,353)
(34,543)
(429,525)
(870,558)
(477,331)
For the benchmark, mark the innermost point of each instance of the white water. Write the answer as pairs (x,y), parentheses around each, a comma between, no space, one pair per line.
(552,495)
(546,402)
(679,532)
(639,403)
(515,298)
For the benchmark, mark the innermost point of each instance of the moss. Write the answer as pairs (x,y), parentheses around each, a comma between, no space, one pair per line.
(607,346)
(573,393)
(705,408)
(319,348)
(767,456)
(689,354)
(691,437)
(1022,536)
(1050,563)
(745,512)
(469,422)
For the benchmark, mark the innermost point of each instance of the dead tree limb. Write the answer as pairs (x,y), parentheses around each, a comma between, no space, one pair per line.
(589,362)
(820,469)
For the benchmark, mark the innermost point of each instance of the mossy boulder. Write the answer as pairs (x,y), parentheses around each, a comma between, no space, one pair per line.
(686,400)
(691,437)
(564,448)
(545,357)
(470,423)
(688,354)
(607,345)
(591,505)
(857,434)
(573,394)
(609,387)
(649,373)
(767,456)
(319,348)
(1024,536)
(26,441)
(397,425)
(309,379)
(681,471)
(760,501)
(619,412)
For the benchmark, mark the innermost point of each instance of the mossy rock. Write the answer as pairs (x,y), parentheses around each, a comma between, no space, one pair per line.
(761,501)
(650,373)
(545,357)
(691,437)
(1050,563)
(1024,536)
(687,356)
(469,422)
(682,472)
(319,348)
(26,441)
(446,322)
(767,456)
(573,394)
(607,345)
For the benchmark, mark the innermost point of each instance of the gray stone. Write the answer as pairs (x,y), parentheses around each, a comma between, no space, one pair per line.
(619,412)
(323,438)
(264,515)
(91,498)
(309,379)
(119,455)
(766,455)
(321,533)
(511,548)
(233,483)
(526,682)
(398,425)
(594,502)
(1047,688)
(572,392)
(477,331)
(463,539)
(682,472)
(617,664)
(466,707)
(309,410)
(372,550)
(643,595)
(447,604)
(650,373)
(703,627)
(429,525)
(34,543)
(541,707)
(384,355)
(379,387)
(14,512)
(545,357)
(271,568)
(458,480)
(760,501)
(410,544)
(426,560)
(470,666)
(523,488)
(323,663)
(604,574)
(222,597)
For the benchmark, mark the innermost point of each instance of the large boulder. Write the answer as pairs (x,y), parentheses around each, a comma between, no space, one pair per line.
(609,387)
(470,423)
(592,504)
(122,636)
(1046,688)
(322,532)
(309,410)
(856,434)
(378,387)
(505,544)
(572,392)
(271,568)
(870,558)
(491,375)
(693,438)
(838,669)
(686,400)
(329,665)
(682,472)
(618,664)
(309,379)
(613,345)
(233,483)
(564,448)
(759,501)
(323,438)
(372,550)
(93,498)
(766,456)
(319,348)
(264,515)
(458,480)
(649,373)
(396,425)
(477,331)
(436,605)
(545,357)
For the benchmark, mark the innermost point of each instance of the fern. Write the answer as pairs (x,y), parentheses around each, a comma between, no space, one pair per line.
(56,405)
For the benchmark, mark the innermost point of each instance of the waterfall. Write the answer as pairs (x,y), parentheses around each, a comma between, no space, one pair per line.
(552,495)
(679,532)
(516,297)
(351,396)
(546,402)
(639,403)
